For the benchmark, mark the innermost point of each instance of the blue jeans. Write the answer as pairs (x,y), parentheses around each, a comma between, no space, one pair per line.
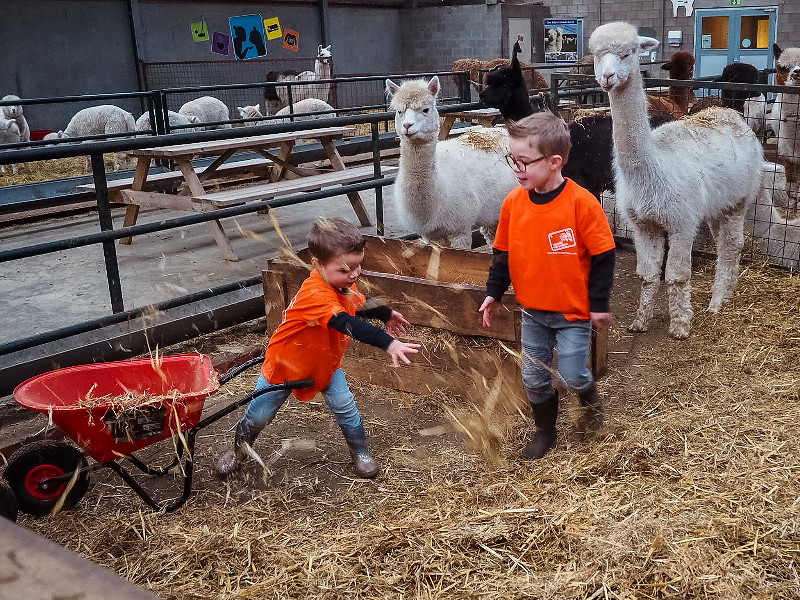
(262,409)
(541,332)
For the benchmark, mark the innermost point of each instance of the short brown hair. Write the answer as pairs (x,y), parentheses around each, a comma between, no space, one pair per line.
(333,237)
(548,132)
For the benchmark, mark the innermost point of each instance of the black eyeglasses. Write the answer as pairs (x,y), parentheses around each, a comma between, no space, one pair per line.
(522,165)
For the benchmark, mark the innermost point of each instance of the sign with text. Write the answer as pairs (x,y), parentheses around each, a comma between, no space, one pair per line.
(563,40)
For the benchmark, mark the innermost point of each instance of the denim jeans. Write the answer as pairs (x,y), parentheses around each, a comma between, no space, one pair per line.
(541,332)
(262,409)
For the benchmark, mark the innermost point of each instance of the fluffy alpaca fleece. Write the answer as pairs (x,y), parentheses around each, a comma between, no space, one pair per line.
(207,109)
(99,120)
(300,111)
(671,179)
(681,66)
(14,112)
(785,119)
(474,66)
(444,189)
(9,134)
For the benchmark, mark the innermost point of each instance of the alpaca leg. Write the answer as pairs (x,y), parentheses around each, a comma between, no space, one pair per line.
(649,254)
(679,287)
(730,241)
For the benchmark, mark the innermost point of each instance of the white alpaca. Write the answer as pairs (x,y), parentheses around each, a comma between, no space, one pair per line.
(9,134)
(785,121)
(671,179)
(143,122)
(445,189)
(14,112)
(299,110)
(207,109)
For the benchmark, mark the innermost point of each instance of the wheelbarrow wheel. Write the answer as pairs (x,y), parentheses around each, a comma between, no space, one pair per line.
(8,501)
(32,465)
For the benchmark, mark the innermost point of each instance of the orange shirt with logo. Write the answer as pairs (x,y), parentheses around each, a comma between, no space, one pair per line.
(550,248)
(303,345)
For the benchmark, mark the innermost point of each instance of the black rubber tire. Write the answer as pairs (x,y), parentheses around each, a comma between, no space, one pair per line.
(41,459)
(8,501)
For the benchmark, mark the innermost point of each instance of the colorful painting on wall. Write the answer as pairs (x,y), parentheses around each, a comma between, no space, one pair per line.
(291,39)
(200,30)
(273,28)
(249,39)
(220,43)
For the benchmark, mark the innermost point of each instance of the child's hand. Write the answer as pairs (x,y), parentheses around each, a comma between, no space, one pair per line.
(602,320)
(396,326)
(398,350)
(489,308)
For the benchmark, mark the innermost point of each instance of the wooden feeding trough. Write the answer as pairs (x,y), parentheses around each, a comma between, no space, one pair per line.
(437,288)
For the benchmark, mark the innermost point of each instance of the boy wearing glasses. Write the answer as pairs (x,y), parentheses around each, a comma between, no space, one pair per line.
(555,245)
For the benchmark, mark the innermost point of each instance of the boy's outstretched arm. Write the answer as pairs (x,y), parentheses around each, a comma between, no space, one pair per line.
(369,334)
(496,285)
(398,350)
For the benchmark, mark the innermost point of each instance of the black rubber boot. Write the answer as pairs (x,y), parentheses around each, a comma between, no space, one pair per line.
(544,415)
(232,459)
(591,410)
(356,439)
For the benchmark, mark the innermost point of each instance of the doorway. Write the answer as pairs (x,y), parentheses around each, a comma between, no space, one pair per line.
(726,35)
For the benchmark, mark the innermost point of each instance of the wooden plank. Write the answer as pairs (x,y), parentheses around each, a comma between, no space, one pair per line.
(218,146)
(34,567)
(461,372)
(289,186)
(157,199)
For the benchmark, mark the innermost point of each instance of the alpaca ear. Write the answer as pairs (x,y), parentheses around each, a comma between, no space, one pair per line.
(434,86)
(391,87)
(241,111)
(776,51)
(647,43)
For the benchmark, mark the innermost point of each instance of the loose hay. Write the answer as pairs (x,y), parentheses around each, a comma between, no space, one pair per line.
(691,491)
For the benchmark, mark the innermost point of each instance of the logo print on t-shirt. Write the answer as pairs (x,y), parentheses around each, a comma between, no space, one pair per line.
(562,239)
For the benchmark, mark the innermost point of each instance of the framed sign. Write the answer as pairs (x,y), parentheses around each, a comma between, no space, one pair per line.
(248,36)
(563,40)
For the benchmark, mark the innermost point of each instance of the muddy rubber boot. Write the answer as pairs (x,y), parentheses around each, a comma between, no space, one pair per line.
(231,460)
(591,417)
(544,415)
(356,439)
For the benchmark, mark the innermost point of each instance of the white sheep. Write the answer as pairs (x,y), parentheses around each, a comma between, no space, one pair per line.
(104,119)
(14,112)
(9,134)
(672,178)
(207,109)
(299,110)
(278,97)
(143,122)
(444,189)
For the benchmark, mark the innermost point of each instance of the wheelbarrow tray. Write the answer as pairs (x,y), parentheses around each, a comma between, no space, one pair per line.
(106,434)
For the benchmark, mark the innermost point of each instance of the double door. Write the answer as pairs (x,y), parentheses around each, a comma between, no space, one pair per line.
(726,35)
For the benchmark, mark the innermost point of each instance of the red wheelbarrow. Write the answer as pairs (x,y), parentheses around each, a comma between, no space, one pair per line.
(40,473)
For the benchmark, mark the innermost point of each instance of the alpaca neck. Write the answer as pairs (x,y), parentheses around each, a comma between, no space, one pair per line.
(322,69)
(633,142)
(418,170)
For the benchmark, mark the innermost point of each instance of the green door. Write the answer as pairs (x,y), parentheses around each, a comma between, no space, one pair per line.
(726,35)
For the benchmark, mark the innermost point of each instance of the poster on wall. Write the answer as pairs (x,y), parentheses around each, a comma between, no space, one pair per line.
(200,30)
(273,28)
(291,39)
(220,42)
(249,39)
(563,40)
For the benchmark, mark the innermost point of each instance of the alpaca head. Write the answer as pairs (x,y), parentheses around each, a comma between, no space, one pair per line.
(738,73)
(616,47)
(506,90)
(787,65)
(324,54)
(416,117)
(13,111)
(249,112)
(680,65)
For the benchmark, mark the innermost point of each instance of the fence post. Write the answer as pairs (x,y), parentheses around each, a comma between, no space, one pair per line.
(160,108)
(107,224)
(554,91)
(376,163)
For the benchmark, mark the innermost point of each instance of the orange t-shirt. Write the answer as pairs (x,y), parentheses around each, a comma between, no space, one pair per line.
(303,345)
(550,248)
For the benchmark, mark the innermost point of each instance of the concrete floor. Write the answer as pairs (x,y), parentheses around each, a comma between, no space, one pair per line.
(57,290)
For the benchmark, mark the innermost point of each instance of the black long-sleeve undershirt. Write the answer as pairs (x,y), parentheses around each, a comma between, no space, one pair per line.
(362,331)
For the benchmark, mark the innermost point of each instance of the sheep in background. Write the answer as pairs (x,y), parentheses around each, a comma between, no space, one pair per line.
(14,112)
(175,119)
(277,97)
(785,118)
(207,109)
(299,111)
(104,119)
(589,162)
(671,179)
(9,134)
(444,189)
(681,66)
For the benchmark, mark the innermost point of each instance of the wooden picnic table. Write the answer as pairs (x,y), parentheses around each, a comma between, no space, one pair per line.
(191,192)
(488,117)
